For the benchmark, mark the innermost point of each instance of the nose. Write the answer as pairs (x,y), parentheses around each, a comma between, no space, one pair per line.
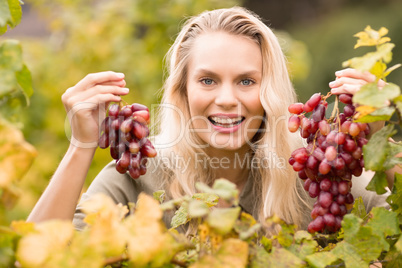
(226,96)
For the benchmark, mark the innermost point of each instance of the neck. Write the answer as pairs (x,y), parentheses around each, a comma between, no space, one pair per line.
(231,165)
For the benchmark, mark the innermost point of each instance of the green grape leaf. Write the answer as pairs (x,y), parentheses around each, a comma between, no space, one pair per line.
(348,254)
(321,259)
(223,188)
(159,196)
(208,198)
(11,55)
(7,82)
(370,95)
(222,220)
(15,12)
(395,199)
(358,208)
(383,223)
(247,226)
(24,79)
(378,183)
(281,257)
(266,243)
(180,216)
(10,14)
(381,114)
(376,150)
(305,245)
(356,238)
(398,244)
(197,208)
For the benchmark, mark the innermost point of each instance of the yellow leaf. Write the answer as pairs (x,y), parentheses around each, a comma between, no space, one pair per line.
(23,227)
(370,37)
(35,249)
(148,241)
(233,253)
(16,155)
(107,234)
(364,110)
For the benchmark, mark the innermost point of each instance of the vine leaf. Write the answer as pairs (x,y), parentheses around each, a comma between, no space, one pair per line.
(232,253)
(370,95)
(353,250)
(381,114)
(304,244)
(51,236)
(378,183)
(358,208)
(222,188)
(321,259)
(148,241)
(222,220)
(383,223)
(368,61)
(395,199)
(10,14)
(376,150)
(370,37)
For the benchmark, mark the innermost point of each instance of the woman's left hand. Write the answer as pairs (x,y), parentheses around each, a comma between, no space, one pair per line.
(350,81)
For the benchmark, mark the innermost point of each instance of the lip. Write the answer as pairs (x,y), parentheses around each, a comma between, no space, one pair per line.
(226,130)
(226,115)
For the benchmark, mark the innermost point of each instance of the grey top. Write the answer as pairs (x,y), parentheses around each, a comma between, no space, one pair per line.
(123,189)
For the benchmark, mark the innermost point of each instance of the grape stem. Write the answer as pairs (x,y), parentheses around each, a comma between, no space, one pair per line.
(335,111)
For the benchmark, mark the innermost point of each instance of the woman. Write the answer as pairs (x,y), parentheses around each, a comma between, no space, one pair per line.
(223,114)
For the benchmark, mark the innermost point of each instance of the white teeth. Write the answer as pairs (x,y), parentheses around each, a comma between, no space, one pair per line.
(226,121)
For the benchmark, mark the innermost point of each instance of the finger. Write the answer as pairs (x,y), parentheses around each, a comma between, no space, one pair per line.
(346,80)
(101,89)
(98,78)
(83,96)
(353,73)
(120,83)
(104,98)
(347,89)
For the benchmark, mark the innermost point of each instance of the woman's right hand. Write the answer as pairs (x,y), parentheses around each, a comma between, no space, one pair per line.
(86,103)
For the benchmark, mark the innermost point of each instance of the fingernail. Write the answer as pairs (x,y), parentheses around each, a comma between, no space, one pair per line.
(126,90)
(120,75)
(331,84)
(338,73)
(334,91)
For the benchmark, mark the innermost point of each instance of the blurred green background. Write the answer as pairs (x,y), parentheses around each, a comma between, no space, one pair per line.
(65,40)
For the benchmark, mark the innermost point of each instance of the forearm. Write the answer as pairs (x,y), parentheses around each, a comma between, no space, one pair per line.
(60,198)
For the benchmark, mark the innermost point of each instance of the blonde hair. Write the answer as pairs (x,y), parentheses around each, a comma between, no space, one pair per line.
(277,190)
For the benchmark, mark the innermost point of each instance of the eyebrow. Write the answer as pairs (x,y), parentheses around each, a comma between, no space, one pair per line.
(211,73)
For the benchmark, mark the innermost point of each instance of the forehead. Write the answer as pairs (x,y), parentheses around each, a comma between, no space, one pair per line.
(222,50)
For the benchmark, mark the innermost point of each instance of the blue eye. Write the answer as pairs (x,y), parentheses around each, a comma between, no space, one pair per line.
(246,82)
(207,81)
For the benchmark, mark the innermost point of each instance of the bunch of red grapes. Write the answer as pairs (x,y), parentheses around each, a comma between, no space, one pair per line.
(333,154)
(125,130)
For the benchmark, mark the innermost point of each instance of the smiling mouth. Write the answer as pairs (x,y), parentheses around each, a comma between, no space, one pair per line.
(226,122)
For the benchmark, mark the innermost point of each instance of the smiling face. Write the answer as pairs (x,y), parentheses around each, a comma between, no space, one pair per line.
(223,85)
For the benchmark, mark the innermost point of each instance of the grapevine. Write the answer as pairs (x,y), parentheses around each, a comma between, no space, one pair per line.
(125,131)
(333,155)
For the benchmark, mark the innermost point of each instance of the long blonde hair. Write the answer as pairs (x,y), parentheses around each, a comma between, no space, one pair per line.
(277,189)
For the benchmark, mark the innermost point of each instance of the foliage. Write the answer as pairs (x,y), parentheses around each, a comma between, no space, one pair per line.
(224,237)
(16,155)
